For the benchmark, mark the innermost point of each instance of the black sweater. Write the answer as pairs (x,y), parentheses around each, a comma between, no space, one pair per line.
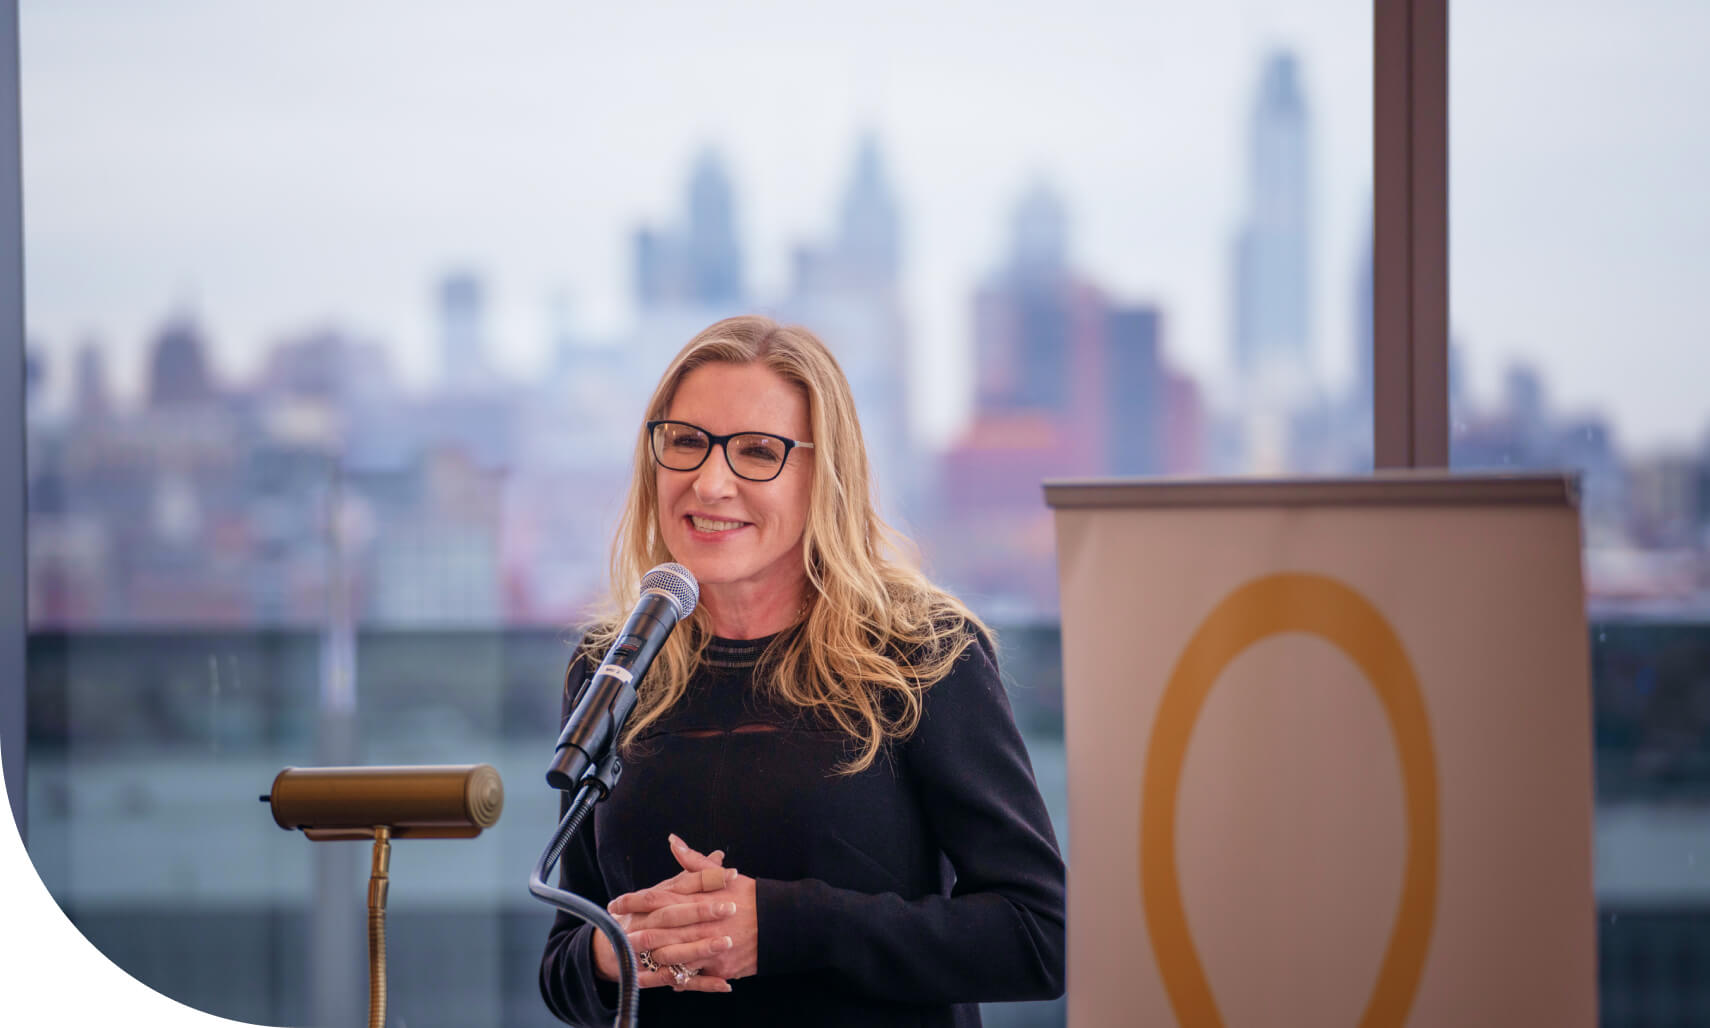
(903,895)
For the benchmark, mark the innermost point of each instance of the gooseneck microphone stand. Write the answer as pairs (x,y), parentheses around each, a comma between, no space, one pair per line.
(586,759)
(596,786)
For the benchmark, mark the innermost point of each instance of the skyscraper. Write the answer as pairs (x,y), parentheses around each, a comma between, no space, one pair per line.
(1039,235)
(661,280)
(845,289)
(868,221)
(178,366)
(700,263)
(864,256)
(1137,403)
(461,329)
(1272,270)
(715,260)
(92,400)
(1039,328)
(1044,388)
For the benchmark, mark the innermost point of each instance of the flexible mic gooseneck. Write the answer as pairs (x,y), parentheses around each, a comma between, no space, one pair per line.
(586,759)
(668,595)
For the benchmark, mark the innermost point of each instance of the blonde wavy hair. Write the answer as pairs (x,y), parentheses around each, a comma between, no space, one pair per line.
(876,633)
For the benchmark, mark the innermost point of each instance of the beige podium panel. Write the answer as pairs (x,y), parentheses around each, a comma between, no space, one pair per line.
(1329,751)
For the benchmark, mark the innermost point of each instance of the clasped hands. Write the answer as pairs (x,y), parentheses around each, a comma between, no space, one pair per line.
(681,921)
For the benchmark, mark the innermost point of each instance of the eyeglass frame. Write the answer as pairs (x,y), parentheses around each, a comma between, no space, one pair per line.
(721,442)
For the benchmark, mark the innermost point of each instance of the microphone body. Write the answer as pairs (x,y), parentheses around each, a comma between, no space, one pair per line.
(451,801)
(668,595)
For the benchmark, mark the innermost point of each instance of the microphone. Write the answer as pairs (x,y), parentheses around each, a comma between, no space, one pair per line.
(448,801)
(668,595)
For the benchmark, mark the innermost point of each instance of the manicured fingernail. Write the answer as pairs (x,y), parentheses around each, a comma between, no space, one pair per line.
(725,943)
(726,909)
(730,876)
(715,856)
(674,840)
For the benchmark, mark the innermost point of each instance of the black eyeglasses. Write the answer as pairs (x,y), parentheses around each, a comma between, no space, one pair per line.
(755,456)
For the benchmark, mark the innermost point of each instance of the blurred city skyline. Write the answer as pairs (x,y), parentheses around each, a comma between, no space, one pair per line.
(424,365)
(160,144)
(465,139)
(534,169)
(324,486)
(446,334)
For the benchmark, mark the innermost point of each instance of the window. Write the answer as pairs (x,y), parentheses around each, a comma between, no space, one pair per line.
(344,323)
(1580,234)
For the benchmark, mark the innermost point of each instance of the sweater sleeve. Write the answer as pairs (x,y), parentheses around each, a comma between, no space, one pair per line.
(568,984)
(999,935)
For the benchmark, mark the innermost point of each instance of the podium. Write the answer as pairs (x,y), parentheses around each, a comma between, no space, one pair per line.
(1329,751)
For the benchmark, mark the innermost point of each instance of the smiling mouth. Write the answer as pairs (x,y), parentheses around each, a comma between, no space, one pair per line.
(713,524)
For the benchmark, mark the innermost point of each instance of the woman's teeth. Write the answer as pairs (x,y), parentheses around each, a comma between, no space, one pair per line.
(709,525)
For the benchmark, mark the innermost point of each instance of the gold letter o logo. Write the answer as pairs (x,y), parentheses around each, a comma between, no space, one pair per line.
(1324,607)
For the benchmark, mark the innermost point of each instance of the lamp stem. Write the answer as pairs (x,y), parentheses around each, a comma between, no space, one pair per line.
(377,883)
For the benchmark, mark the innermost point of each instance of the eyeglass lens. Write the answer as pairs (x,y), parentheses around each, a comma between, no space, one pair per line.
(684,447)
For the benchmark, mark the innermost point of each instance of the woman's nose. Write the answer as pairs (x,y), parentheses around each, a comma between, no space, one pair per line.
(713,479)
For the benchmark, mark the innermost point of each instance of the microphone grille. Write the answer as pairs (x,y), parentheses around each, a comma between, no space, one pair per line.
(677,582)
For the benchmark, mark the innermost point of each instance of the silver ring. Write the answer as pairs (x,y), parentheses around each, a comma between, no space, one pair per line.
(681,973)
(646,959)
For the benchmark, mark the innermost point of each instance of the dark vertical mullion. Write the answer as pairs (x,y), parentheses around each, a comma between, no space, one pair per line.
(1410,274)
(14,557)
(1429,350)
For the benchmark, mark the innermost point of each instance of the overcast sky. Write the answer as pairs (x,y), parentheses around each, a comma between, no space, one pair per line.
(279,167)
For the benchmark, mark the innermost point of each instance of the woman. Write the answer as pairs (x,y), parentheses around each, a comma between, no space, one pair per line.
(827,723)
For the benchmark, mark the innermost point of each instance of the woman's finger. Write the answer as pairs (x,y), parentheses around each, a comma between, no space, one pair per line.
(708,879)
(691,858)
(696,983)
(680,914)
(643,901)
(692,953)
(706,983)
(656,933)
